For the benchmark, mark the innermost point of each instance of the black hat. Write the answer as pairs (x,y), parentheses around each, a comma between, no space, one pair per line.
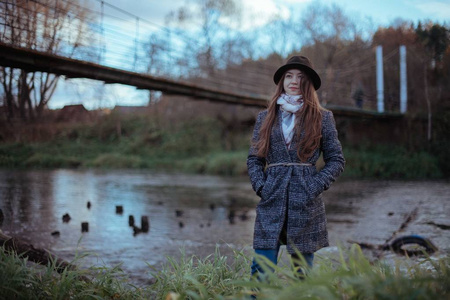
(302,63)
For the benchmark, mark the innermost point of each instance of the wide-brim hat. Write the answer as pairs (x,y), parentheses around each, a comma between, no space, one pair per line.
(301,63)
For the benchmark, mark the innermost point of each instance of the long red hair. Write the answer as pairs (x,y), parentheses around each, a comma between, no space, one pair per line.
(309,119)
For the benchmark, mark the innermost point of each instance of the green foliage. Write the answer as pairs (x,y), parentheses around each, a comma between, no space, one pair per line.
(14,276)
(44,160)
(196,137)
(346,275)
(350,276)
(131,142)
(13,155)
(230,163)
(390,162)
(20,279)
(198,146)
(200,278)
(117,161)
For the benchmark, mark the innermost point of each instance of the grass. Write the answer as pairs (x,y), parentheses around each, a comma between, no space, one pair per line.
(196,146)
(390,162)
(201,278)
(349,275)
(20,279)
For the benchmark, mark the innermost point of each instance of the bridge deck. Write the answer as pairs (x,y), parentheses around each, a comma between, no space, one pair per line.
(32,60)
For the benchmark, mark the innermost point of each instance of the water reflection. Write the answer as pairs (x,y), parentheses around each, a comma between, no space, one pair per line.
(34,203)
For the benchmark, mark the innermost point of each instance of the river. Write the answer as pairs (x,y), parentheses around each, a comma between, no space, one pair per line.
(196,213)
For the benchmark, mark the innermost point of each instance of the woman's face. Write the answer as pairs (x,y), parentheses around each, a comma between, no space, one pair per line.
(291,83)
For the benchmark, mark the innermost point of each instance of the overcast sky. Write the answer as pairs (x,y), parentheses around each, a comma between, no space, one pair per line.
(381,12)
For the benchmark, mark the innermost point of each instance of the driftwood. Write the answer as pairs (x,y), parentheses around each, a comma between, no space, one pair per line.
(36,255)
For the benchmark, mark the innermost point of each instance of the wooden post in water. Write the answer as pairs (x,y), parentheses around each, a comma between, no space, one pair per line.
(145,225)
(131,220)
(66,218)
(84,227)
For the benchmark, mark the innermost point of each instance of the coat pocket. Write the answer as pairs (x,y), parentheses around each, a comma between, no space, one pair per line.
(271,186)
(265,189)
(314,188)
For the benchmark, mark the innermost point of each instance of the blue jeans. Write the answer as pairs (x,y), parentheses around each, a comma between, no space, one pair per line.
(272,255)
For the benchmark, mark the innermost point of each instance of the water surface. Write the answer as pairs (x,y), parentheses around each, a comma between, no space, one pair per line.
(196,213)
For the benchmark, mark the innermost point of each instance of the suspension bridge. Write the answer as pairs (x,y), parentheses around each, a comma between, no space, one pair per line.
(102,48)
(32,60)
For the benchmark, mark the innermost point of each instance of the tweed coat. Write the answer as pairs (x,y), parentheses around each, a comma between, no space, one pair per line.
(291,195)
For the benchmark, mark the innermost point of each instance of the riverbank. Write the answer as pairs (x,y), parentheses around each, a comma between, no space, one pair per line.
(203,146)
(351,275)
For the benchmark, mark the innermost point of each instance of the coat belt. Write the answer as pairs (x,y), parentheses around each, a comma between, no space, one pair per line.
(289,164)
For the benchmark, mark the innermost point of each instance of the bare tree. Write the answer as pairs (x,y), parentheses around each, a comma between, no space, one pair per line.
(53,26)
(329,35)
(214,43)
(155,49)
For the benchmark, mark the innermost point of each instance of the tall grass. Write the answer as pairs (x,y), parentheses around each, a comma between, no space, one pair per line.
(20,279)
(352,276)
(201,278)
(348,276)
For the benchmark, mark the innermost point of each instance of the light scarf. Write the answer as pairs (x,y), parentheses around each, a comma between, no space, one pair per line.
(289,106)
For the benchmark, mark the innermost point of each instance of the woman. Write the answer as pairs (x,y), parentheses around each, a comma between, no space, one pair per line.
(287,141)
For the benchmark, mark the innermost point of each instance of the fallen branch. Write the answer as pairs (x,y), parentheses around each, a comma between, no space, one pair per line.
(409,218)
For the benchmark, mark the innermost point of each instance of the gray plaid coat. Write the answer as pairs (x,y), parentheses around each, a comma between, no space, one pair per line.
(291,195)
